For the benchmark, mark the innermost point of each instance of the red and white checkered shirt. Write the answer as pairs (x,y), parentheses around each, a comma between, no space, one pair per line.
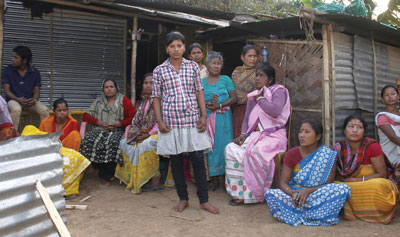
(177,91)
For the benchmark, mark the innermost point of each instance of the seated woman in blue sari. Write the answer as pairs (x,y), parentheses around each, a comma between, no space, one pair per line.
(307,195)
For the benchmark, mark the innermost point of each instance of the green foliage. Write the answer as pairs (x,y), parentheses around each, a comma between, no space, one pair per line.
(392,15)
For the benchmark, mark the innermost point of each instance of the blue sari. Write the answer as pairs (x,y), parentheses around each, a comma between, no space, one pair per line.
(223,125)
(323,205)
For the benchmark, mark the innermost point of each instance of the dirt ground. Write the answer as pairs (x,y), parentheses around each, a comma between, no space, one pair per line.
(113,211)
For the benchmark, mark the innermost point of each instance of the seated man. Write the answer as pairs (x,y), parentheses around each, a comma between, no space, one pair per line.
(21,83)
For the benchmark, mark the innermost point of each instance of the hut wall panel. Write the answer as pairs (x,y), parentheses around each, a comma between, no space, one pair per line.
(24,160)
(341,115)
(88,48)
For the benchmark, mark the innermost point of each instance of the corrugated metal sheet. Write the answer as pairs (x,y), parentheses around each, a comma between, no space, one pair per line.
(24,160)
(345,88)
(363,73)
(88,48)
(341,115)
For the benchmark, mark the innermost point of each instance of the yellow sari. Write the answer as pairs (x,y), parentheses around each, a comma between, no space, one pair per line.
(74,163)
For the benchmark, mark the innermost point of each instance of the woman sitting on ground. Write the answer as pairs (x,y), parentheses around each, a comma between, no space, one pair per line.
(7,130)
(219,95)
(307,195)
(62,121)
(139,149)
(110,114)
(388,123)
(361,165)
(196,54)
(250,157)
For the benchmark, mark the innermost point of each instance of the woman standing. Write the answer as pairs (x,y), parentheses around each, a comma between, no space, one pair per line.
(307,195)
(243,78)
(180,111)
(196,54)
(361,165)
(62,121)
(219,94)
(110,114)
(250,157)
(388,123)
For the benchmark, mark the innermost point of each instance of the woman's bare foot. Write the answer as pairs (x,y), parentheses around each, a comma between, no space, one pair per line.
(209,207)
(181,206)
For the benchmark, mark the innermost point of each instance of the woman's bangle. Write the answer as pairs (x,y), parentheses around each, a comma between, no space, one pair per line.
(259,98)
(287,189)
(220,106)
(363,178)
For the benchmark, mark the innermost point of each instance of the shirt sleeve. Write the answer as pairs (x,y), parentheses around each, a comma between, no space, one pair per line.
(250,105)
(383,120)
(38,79)
(89,118)
(156,83)
(4,77)
(292,157)
(198,86)
(229,84)
(129,112)
(274,109)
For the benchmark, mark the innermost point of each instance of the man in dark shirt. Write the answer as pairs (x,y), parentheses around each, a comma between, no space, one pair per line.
(21,83)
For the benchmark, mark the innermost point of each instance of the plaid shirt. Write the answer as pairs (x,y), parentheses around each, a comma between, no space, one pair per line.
(177,91)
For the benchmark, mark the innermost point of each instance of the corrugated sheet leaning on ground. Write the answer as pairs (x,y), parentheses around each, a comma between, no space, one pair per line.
(24,160)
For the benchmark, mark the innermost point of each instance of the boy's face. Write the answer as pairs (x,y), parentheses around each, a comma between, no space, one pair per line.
(17,60)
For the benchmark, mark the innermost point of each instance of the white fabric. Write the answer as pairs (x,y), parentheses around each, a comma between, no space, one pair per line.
(4,114)
(391,150)
(134,151)
(181,140)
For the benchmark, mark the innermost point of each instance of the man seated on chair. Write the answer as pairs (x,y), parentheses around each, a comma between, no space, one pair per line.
(21,83)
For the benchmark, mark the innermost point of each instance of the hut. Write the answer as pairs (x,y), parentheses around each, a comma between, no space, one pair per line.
(332,64)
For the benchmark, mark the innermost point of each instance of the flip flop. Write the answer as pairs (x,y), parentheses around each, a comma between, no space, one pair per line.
(234,203)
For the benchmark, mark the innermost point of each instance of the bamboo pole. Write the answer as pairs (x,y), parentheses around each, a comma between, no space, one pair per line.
(333,74)
(325,86)
(51,58)
(375,80)
(308,110)
(133,62)
(1,34)
(125,57)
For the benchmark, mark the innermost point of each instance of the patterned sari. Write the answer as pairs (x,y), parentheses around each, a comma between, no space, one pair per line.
(7,130)
(323,205)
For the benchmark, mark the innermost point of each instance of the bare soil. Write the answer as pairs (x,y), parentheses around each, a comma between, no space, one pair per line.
(113,211)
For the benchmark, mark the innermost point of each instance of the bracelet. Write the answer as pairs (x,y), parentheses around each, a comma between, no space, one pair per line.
(363,178)
(220,106)
(287,189)
(259,98)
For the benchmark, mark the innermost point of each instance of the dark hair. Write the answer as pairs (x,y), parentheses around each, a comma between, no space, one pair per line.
(24,52)
(149,74)
(59,101)
(354,116)
(388,86)
(269,71)
(193,46)
(248,47)
(175,35)
(316,125)
(115,83)
(212,55)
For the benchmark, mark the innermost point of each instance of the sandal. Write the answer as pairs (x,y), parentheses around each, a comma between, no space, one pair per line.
(236,202)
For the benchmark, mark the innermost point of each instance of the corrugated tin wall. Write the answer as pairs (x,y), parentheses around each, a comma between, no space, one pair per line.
(24,160)
(87,48)
(355,78)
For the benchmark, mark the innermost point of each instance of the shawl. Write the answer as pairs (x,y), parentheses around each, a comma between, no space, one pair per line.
(49,125)
(101,110)
(243,78)
(143,121)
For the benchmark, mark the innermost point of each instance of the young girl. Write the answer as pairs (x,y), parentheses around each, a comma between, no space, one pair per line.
(180,111)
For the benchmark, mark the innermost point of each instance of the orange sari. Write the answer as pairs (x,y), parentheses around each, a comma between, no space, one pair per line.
(71,138)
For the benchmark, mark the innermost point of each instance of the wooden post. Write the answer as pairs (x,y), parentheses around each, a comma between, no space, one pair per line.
(54,215)
(124,43)
(333,86)
(51,58)
(1,34)
(325,87)
(133,62)
(160,31)
(375,81)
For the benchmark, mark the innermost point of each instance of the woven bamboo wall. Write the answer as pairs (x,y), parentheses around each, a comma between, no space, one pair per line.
(298,67)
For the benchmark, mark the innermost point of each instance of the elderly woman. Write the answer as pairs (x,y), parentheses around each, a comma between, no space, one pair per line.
(110,114)
(243,78)
(195,52)
(62,121)
(307,195)
(139,149)
(250,157)
(7,130)
(388,123)
(219,94)
(361,165)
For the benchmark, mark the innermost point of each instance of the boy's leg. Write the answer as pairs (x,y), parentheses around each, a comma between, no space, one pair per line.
(199,170)
(179,176)
(15,112)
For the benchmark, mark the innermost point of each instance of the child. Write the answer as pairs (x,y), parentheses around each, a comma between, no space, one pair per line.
(180,111)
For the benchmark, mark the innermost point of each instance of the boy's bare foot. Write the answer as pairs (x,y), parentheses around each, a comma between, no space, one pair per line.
(181,206)
(209,207)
